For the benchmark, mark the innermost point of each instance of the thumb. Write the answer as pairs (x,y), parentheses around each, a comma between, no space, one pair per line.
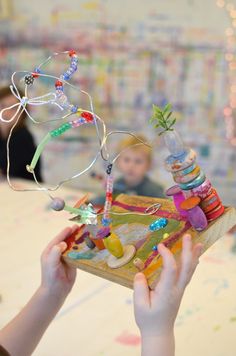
(63,246)
(141,290)
(54,255)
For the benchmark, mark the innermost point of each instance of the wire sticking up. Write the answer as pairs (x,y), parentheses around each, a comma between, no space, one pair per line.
(60,100)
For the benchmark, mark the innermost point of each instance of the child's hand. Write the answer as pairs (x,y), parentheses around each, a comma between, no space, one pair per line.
(57,277)
(156,311)
(23,333)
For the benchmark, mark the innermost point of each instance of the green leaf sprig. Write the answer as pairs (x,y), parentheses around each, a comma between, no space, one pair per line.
(163,118)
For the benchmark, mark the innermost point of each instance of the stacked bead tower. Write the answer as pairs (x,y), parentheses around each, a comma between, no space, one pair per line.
(198,198)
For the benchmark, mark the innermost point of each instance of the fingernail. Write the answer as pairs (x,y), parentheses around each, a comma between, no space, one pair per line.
(187,237)
(138,275)
(62,245)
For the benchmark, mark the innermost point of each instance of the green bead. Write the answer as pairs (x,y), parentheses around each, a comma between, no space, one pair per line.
(63,128)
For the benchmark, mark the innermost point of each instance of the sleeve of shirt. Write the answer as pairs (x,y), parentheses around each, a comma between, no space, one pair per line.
(21,153)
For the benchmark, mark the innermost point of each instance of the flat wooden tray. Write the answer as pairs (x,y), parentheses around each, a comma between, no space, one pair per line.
(134,229)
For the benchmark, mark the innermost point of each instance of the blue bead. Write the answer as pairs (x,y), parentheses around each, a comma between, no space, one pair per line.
(66,76)
(106,222)
(57,203)
(74,108)
(158,224)
(154,248)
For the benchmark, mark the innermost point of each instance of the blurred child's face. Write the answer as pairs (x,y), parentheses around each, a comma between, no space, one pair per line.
(133,164)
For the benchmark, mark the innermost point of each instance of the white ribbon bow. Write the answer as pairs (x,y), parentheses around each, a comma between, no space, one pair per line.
(23,101)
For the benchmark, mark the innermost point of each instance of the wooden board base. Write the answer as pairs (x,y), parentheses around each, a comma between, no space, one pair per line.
(133,229)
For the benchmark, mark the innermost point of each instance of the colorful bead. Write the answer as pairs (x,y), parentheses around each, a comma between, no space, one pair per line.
(187,177)
(57,204)
(87,116)
(165,236)
(190,203)
(195,214)
(89,242)
(60,130)
(202,190)
(35,74)
(175,189)
(210,202)
(139,264)
(72,52)
(158,224)
(103,232)
(74,108)
(65,76)
(29,79)
(109,195)
(108,202)
(61,97)
(154,248)
(58,83)
(195,183)
(37,71)
(185,171)
(106,222)
(214,214)
(114,245)
(109,168)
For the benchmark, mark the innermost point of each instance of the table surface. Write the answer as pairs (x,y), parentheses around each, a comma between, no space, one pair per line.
(97,318)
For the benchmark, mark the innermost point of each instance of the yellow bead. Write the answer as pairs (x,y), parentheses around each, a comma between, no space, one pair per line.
(79,111)
(113,245)
(166,235)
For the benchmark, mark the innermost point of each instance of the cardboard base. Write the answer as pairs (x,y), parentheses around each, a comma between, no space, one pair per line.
(133,229)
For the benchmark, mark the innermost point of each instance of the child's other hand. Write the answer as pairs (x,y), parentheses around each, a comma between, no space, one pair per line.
(57,277)
(156,311)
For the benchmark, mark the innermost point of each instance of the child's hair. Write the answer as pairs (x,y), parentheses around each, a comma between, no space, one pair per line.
(135,143)
(5,92)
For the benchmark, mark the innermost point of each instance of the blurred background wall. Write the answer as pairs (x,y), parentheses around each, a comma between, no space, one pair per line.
(132,53)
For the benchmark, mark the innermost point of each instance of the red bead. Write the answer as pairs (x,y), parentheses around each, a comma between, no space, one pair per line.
(87,116)
(109,195)
(35,75)
(58,83)
(71,52)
